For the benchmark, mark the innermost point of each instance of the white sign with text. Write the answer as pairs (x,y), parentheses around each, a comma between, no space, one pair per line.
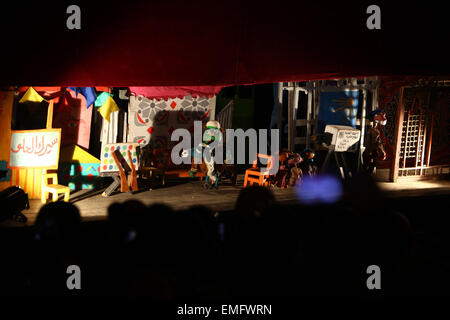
(35,148)
(344,137)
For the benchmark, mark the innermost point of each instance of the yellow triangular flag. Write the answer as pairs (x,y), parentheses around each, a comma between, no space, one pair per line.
(76,154)
(31,95)
(108,107)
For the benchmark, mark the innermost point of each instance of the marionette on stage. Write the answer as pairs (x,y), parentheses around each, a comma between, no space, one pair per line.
(308,165)
(211,133)
(289,173)
(295,173)
(280,178)
(374,148)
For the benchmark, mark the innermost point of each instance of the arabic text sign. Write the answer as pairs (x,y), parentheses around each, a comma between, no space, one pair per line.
(35,148)
(344,138)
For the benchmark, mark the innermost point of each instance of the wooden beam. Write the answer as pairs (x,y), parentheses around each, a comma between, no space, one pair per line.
(308,117)
(290,117)
(406,138)
(430,140)
(50,115)
(419,142)
(393,175)
(316,102)
(134,184)
(123,178)
(363,127)
(280,112)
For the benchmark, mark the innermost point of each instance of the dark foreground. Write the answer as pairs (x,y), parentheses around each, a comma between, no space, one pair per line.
(260,250)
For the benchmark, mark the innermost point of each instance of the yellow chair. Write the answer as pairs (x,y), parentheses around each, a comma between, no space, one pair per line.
(54,188)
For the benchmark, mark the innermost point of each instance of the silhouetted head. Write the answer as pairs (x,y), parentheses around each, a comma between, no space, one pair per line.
(361,191)
(124,219)
(253,201)
(58,222)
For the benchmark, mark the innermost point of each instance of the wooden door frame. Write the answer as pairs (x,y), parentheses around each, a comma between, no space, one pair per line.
(395,166)
(393,175)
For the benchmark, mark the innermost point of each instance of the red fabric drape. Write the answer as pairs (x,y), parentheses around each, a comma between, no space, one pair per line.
(176,92)
(217,43)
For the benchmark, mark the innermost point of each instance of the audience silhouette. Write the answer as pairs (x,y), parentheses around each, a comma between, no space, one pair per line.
(259,250)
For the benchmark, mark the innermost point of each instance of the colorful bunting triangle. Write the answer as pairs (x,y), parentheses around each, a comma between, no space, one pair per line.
(31,95)
(87,92)
(101,99)
(107,108)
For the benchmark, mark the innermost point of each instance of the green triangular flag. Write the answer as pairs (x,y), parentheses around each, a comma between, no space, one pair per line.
(101,99)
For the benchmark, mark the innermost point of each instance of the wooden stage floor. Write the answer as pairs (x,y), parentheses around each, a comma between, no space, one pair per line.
(187,193)
(180,194)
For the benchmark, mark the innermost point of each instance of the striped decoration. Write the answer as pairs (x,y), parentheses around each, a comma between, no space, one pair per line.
(29,179)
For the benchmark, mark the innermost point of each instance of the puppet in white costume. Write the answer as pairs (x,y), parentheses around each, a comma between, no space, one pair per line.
(211,134)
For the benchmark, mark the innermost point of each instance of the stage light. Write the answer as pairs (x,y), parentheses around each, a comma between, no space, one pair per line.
(320,189)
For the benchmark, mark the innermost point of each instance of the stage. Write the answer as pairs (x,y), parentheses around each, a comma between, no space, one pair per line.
(178,194)
(183,194)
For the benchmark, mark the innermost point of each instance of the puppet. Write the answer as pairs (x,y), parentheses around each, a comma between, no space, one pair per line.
(308,165)
(289,173)
(280,178)
(211,133)
(295,173)
(374,148)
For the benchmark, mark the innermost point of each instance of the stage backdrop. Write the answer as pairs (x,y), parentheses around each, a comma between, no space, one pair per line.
(338,108)
(153,121)
(35,148)
(107,161)
(30,152)
(72,115)
(78,169)
(6,103)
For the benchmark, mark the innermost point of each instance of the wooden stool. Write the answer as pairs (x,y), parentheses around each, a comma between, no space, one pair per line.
(255,175)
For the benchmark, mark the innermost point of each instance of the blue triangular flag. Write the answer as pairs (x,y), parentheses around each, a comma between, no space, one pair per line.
(87,92)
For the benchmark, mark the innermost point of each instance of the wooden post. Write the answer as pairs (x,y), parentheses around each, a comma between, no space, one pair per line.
(406,139)
(294,117)
(363,127)
(430,140)
(393,176)
(280,111)
(316,99)
(423,163)
(134,185)
(50,115)
(290,112)
(123,178)
(419,137)
(308,117)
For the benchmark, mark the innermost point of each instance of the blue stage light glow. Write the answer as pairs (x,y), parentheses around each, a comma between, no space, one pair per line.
(320,189)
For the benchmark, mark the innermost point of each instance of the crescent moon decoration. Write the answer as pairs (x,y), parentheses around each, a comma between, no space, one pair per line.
(139,118)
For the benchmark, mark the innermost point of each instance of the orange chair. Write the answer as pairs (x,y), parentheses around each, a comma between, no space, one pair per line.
(54,188)
(256,175)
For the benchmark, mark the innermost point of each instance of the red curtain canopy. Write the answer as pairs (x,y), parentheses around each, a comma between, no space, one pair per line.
(216,43)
